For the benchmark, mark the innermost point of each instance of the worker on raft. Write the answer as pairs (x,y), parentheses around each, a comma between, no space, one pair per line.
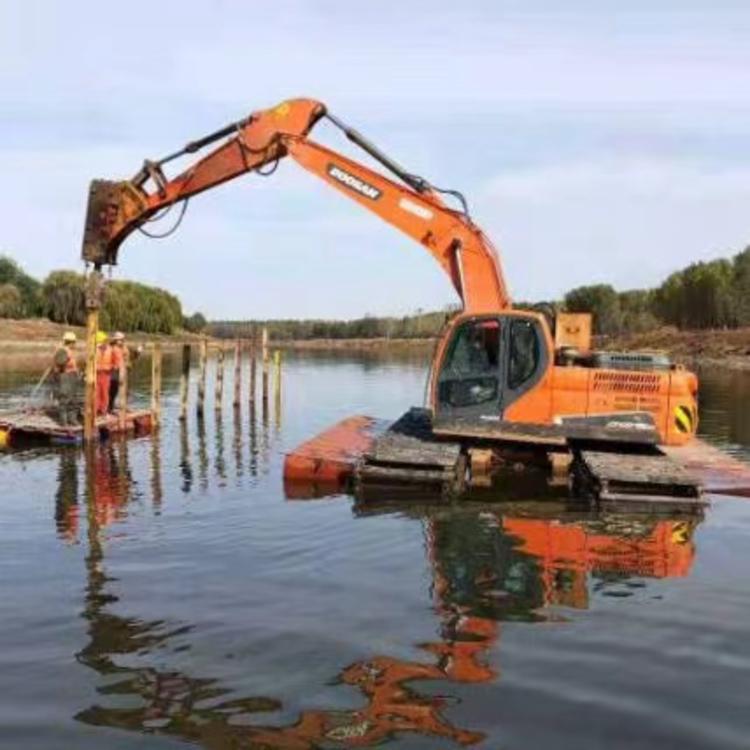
(119,365)
(122,358)
(103,372)
(65,381)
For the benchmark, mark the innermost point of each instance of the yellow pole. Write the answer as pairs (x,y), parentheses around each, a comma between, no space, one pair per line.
(202,377)
(184,380)
(94,294)
(89,402)
(277,386)
(156,386)
(122,395)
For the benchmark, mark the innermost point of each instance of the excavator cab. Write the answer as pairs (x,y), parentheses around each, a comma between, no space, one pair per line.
(488,362)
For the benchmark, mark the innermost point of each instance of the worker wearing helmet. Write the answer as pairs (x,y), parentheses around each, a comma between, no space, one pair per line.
(103,372)
(119,365)
(65,380)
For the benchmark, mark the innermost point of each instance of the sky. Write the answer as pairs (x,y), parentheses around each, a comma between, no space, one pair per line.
(603,142)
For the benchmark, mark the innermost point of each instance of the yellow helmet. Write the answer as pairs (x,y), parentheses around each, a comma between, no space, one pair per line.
(69,337)
(101,337)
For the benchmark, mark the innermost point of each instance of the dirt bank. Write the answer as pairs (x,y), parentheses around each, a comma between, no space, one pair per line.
(729,349)
(25,340)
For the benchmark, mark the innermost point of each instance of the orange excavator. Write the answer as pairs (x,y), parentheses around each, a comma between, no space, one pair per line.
(494,365)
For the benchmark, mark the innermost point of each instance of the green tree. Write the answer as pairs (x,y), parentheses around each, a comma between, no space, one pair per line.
(11,302)
(28,287)
(637,310)
(703,295)
(741,287)
(602,301)
(195,323)
(63,297)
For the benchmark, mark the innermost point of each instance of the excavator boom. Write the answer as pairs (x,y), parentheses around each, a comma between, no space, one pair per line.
(116,209)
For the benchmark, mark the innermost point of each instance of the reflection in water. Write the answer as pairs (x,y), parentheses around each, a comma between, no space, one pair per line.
(488,564)
(237,441)
(219,461)
(108,482)
(156,485)
(186,468)
(608,547)
(724,417)
(202,453)
(66,496)
(277,399)
(265,434)
(253,439)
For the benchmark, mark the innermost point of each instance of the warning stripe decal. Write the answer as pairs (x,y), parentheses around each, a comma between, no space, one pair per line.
(683,418)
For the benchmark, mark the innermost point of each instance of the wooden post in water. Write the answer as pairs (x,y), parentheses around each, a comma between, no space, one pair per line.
(202,378)
(184,380)
(94,297)
(277,387)
(122,391)
(219,386)
(89,393)
(264,352)
(156,386)
(277,372)
(253,367)
(237,373)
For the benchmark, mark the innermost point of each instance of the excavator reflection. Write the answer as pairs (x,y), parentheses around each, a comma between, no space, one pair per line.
(488,564)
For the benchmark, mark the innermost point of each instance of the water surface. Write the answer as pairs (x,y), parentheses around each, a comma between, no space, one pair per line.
(164,592)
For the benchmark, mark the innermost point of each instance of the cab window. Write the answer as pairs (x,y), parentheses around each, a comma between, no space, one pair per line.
(524,353)
(470,373)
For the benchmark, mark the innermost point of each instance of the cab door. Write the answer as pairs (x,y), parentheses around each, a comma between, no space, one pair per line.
(488,364)
(469,383)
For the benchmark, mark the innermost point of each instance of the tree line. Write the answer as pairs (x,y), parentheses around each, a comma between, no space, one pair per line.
(418,326)
(713,294)
(60,297)
(705,295)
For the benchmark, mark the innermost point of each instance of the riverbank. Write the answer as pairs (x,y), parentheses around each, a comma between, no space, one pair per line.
(34,338)
(728,348)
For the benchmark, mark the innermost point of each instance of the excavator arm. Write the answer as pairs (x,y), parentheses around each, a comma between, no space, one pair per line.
(257,143)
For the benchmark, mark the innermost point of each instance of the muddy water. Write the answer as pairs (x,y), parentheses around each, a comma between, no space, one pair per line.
(165,592)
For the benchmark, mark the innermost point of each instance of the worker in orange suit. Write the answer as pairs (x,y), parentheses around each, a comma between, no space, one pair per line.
(119,364)
(103,372)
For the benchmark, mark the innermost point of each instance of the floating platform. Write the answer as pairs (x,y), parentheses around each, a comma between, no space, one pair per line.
(34,427)
(325,464)
(362,451)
